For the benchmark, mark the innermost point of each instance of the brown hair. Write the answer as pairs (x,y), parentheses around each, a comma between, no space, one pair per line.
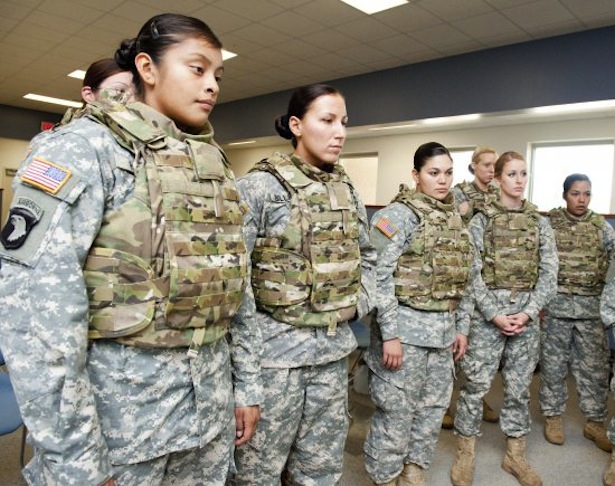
(504,159)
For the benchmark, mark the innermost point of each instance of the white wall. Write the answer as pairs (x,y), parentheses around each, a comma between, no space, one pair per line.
(395,152)
(13,152)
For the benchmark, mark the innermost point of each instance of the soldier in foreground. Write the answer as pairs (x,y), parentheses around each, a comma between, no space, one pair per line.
(312,273)
(424,257)
(572,333)
(123,262)
(513,277)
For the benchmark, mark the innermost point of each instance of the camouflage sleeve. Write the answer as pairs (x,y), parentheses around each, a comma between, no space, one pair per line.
(367,299)
(607,304)
(246,338)
(485,299)
(546,286)
(465,310)
(391,231)
(44,314)
(607,300)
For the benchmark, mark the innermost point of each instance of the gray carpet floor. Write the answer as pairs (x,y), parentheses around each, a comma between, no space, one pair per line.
(577,463)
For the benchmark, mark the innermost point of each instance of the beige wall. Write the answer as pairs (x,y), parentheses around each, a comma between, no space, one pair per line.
(12,153)
(395,152)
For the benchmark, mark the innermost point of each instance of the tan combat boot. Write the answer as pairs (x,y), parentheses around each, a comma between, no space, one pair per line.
(462,472)
(412,475)
(449,419)
(554,430)
(514,463)
(595,431)
(489,415)
(608,479)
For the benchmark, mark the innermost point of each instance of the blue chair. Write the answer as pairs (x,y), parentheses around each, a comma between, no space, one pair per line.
(10,418)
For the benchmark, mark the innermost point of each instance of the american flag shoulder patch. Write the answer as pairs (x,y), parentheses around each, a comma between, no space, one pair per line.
(46,175)
(387,228)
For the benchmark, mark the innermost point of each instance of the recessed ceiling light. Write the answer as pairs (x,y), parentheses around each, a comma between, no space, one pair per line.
(55,101)
(243,143)
(227,54)
(77,73)
(374,6)
(574,107)
(393,127)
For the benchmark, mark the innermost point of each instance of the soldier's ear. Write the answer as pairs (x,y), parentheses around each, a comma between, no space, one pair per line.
(87,94)
(294,124)
(146,68)
(415,176)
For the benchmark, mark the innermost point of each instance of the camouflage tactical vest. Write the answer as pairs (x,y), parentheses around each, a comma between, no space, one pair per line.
(583,260)
(311,274)
(432,273)
(511,254)
(169,266)
(479,199)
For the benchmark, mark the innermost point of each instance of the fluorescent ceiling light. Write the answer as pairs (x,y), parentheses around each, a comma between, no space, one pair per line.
(55,101)
(243,143)
(574,107)
(374,6)
(227,54)
(77,73)
(393,127)
(451,119)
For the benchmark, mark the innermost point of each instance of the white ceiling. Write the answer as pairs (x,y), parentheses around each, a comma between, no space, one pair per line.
(281,44)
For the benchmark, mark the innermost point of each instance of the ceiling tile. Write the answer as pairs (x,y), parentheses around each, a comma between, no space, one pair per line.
(440,36)
(221,21)
(452,10)
(537,14)
(291,23)
(70,10)
(487,25)
(367,28)
(12,10)
(329,13)
(262,35)
(254,11)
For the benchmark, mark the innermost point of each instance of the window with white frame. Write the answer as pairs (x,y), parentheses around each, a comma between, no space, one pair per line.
(551,163)
(363,172)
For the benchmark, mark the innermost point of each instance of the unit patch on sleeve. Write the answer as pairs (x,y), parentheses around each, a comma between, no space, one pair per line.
(387,228)
(23,216)
(46,175)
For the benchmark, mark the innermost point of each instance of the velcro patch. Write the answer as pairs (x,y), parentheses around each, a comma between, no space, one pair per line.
(46,175)
(19,224)
(387,228)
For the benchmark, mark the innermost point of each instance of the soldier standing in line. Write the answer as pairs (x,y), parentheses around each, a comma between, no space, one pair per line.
(607,314)
(312,272)
(470,198)
(572,333)
(514,275)
(424,256)
(123,262)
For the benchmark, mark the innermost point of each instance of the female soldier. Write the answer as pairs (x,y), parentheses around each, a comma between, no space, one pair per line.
(424,256)
(106,74)
(607,314)
(470,197)
(127,221)
(312,263)
(513,277)
(572,332)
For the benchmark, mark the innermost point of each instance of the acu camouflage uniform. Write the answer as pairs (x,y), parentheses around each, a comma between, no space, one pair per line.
(312,271)
(607,314)
(424,255)
(476,198)
(134,238)
(572,333)
(514,270)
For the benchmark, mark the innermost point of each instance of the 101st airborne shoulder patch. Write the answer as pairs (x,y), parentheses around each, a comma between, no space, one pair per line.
(23,216)
(386,227)
(46,175)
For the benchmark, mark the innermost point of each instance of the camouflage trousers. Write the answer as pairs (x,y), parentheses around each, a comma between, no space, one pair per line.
(582,344)
(409,411)
(302,430)
(519,356)
(205,466)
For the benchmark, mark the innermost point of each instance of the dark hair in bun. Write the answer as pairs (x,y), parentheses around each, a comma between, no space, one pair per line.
(426,152)
(156,36)
(299,104)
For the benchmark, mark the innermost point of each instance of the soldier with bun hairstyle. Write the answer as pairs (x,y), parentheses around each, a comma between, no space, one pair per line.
(123,265)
